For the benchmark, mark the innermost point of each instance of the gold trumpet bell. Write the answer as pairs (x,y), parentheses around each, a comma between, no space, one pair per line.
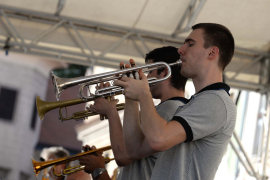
(41,108)
(37,167)
(44,106)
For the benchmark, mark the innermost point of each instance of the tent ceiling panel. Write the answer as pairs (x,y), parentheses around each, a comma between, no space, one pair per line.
(120,12)
(158,16)
(248,20)
(162,16)
(26,31)
(63,36)
(245,65)
(48,6)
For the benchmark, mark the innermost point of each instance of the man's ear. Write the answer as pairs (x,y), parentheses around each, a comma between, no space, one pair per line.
(164,72)
(214,52)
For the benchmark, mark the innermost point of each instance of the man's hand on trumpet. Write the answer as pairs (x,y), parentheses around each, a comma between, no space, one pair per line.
(93,161)
(101,105)
(106,106)
(56,170)
(134,88)
(133,74)
(94,164)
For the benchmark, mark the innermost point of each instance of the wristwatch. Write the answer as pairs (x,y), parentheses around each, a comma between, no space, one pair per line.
(97,172)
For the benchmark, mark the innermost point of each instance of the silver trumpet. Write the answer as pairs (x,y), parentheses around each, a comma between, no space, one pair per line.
(63,83)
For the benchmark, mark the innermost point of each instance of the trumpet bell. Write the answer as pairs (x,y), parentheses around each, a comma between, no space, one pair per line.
(43,106)
(38,166)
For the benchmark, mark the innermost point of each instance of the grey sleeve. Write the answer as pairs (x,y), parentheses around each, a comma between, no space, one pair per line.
(168,108)
(202,116)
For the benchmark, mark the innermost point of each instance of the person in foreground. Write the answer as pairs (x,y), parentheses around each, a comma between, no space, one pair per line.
(139,165)
(195,139)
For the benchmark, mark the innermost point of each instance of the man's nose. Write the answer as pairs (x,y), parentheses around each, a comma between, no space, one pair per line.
(181,50)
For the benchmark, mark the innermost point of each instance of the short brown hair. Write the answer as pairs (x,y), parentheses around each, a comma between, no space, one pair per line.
(220,36)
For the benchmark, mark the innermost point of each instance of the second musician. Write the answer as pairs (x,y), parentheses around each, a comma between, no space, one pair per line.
(138,159)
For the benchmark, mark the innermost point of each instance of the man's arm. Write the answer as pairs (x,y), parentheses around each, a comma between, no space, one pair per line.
(159,133)
(135,141)
(136,144)
(107,108)
(95,164)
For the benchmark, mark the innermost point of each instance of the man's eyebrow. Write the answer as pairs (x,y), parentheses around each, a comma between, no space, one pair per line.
(189,40)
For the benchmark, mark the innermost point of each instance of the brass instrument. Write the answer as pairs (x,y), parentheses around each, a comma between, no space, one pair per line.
(44,106)
(70,170)
(39,166)
(63,83)
(84,114)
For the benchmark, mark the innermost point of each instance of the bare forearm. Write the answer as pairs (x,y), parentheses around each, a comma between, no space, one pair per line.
(132,133)
(152,124)
(117,140)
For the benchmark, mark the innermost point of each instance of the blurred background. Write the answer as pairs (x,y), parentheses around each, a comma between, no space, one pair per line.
(76,38)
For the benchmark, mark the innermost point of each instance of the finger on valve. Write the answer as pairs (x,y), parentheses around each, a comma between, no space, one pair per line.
(107,84)
(134,73)
(128,73)
(121,67)
(99,86)
(87,148)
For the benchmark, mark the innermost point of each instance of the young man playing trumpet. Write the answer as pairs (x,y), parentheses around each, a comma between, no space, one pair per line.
(194,140)
(138,160)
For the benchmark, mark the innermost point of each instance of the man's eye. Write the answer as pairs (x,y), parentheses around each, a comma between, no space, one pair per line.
(189,44)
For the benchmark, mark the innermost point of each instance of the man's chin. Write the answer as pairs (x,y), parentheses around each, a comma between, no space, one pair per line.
(185,74)
(152,92)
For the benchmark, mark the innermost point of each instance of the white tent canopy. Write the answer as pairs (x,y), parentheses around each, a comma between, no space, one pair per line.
(91,32)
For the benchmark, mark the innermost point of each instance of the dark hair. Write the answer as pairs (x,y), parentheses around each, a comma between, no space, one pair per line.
(60,154)
(220,36)
(168,54)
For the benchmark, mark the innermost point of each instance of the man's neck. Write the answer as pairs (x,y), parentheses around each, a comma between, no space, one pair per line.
(172,93)
(202,82)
